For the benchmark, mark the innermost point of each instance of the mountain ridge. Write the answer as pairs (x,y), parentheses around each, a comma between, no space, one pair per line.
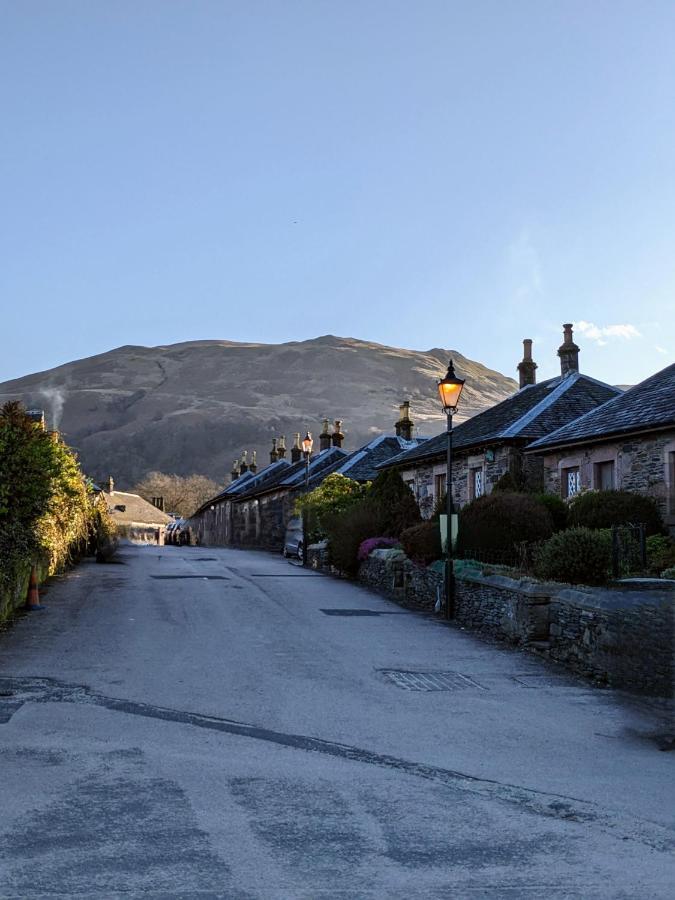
(193,406)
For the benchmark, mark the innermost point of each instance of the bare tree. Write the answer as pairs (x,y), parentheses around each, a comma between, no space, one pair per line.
(182,494)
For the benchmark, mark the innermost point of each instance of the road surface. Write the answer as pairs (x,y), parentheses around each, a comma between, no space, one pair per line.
(198,722)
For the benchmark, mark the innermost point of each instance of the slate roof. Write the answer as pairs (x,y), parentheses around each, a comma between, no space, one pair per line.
(362,465)
(646,406)
(137,511)
(531,413)
(292,475)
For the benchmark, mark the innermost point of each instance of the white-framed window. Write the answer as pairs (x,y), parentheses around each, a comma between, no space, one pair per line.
(571,481)
(477,483)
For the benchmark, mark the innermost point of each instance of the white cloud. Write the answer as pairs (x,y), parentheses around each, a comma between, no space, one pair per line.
(602,334)
(660,349)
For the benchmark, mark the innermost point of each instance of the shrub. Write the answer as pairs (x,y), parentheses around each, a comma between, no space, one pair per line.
(376,543)
(347,531)
(394,503)
(500,522)
(602,509)
(508,483)
(660,553)
(575,556)
(333,496)
(669,573)
(422,543)
(557,509)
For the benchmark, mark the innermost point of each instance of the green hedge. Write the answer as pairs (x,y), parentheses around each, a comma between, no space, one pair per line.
(575,556)
(602,509)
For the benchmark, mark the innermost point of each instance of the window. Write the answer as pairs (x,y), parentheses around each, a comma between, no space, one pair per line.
(411,485)
(476,484)
(604,476)
(439,485)
(571,481)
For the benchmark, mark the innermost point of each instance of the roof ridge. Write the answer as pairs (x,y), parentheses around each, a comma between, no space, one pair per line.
(538,408)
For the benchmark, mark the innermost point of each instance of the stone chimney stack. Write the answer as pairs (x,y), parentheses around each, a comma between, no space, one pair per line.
(568,353)
(281,447)
(243,463)
(296,449)
(254,462)
(274,452)
(404,426)
(337,436)
(527,369)
(110,487)
(324,437)
(235,473)
(158,503)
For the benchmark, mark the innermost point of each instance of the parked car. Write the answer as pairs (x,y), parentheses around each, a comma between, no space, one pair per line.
(294,540)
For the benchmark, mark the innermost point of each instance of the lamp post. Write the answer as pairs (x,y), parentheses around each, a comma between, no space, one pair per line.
(307,444)
(449,390)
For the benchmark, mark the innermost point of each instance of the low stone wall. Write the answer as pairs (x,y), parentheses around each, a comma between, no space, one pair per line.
(622,636)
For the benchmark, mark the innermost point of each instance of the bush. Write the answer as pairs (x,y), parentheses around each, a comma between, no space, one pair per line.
(669,573)
(575,556)
(500,522)
(508,483)
(660,553)
(422,543)
(394,504)
(602,509)
(557,509)
(333,496)
(375,543)
(347,531)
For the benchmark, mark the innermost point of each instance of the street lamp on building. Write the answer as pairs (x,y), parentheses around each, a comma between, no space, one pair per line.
(307,444)
(449,390)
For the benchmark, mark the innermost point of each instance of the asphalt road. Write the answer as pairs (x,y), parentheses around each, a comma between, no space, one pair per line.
(198,722)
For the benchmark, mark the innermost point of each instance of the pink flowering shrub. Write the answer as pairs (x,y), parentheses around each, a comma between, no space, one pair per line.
(375,543)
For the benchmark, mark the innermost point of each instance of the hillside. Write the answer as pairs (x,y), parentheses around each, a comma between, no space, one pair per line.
(193,407)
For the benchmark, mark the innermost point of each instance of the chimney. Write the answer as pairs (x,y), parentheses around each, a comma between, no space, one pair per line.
(110,487)
(568,353)
(527,369)
(235,473)
(37,416)
(243,464)
(324,437)
(296,449)
(337,436)
(274,453)
(404,426)
(281,446)
(254,462)
(158,502)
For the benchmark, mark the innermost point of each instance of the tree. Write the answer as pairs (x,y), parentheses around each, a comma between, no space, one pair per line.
(334,496)
(394,503)
(182,494)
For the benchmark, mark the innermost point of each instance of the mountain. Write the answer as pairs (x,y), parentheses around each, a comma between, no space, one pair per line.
(193,407)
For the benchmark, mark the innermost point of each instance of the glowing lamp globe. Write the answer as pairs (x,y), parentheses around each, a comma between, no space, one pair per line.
(307,444)
(449,390)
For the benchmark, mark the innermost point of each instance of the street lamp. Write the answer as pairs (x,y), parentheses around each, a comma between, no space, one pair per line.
(307,444)
(449,390)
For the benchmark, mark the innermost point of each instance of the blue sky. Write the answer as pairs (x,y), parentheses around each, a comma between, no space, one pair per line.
(418,174)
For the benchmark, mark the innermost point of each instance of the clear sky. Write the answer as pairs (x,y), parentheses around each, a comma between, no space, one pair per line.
(421,174)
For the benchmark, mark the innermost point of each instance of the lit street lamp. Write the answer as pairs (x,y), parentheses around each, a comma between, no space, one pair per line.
(307,444)
(449,390)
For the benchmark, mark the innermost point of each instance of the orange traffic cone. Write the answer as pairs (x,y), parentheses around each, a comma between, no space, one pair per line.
(33,598)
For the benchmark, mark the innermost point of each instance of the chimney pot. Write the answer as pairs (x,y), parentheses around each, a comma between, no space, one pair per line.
(325,437)
(568,352)
(337,436)
(404,426)
(527,369)
(281,447)
(296,449)
(111,484)
(274,453)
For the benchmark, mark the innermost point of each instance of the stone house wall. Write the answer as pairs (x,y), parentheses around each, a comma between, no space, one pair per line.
(645,465)
(493,462)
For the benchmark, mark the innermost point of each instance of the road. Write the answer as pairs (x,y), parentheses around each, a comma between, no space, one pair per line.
(198,722)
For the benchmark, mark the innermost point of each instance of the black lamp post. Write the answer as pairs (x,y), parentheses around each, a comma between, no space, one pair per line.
(449,390)
(307,444)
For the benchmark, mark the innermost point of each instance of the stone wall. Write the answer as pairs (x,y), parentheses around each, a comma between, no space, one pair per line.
(258,522)
(622,636)
(641,464)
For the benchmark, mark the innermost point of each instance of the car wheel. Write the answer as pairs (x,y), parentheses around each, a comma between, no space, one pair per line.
(300,549)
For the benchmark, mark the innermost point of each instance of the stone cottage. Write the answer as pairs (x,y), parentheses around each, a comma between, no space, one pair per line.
(494,442)
(135,518)
(627,443)
(254,510)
